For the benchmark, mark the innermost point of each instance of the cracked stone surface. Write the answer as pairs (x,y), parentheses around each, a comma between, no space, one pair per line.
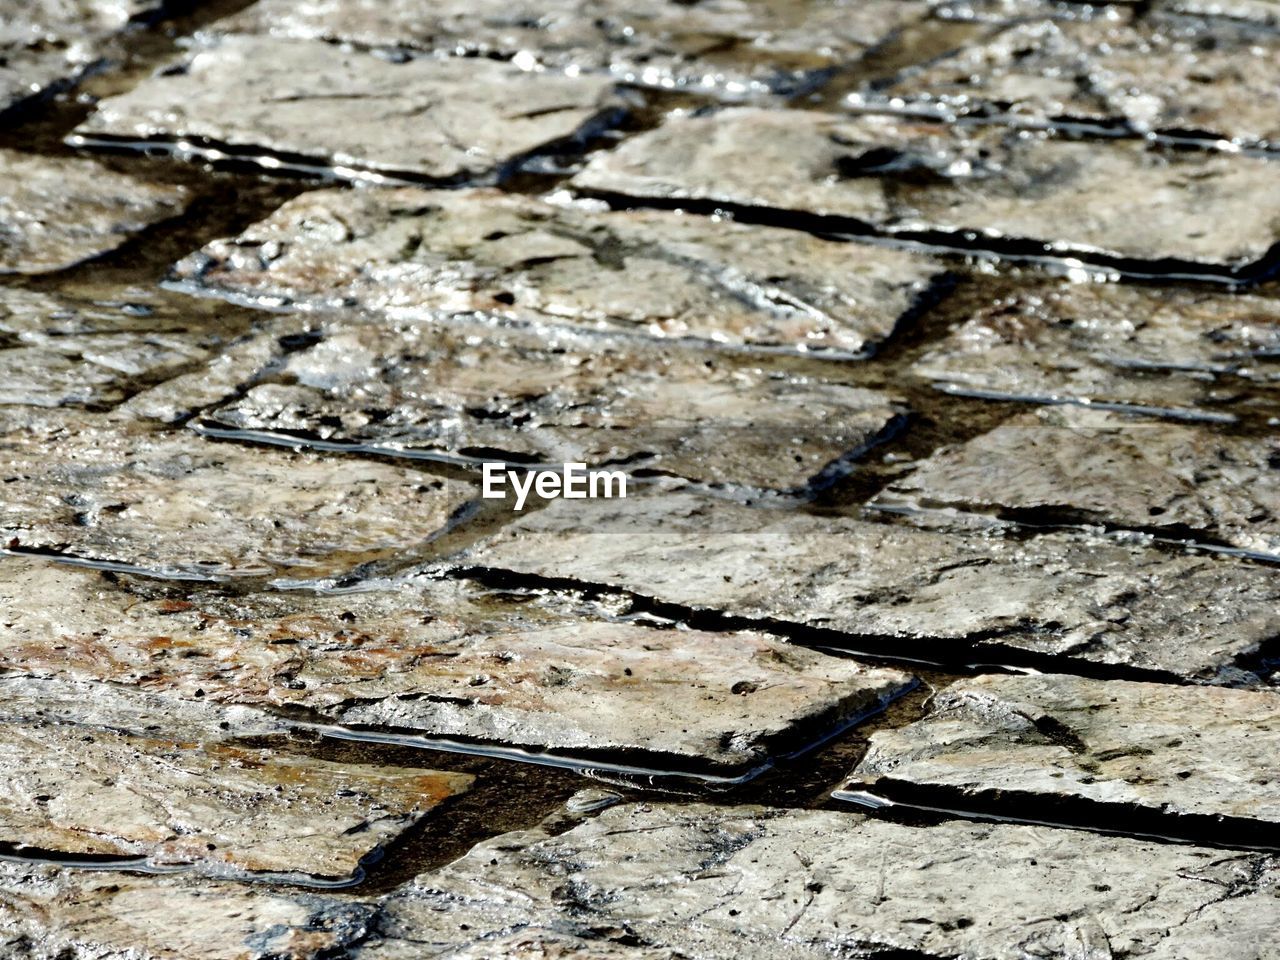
(982,184)
(728,48)
(1177,351)
(1167,751)
(61,351)
(469,392)
(281,103)
(754,882)
(174,503)
(432,658)
(1073,596)
(57,212)
(407,251)
(1154,75)
(1089,466)
(74,788)
(50,913)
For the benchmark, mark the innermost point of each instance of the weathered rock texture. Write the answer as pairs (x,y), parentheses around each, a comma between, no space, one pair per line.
(48,913)
(976,186)
(1070,464)
(1261,11)
(728,48)
(172,502)
(750,882)
(1023,742)
(1159,74)
(81,787)
(1169,350)
(469,392)
(932,592)
(656,274)
(55,213)
(434,659)
(310,104)
(60,351)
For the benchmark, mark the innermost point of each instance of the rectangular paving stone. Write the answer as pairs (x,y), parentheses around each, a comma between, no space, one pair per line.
(1074,465)
(57,212)
(651,273)
(751,882)
(973,186)
(1127,753)
(175,504)
(725,48)
(469,392)
(309,105)
(941,594)
(1162,350)
(1156,74)
(80,786)
(49,912)
(85,349)
(437,659)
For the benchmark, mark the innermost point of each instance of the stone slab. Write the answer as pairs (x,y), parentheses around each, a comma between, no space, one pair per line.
(750,882)
(468,392)
(52,913)
(437,659)
(936,593)
(1174,351)
(176,504)
(1022,743)
(725,48)
(309,105)
(652,273)
(980,187)
(1072,464)
(57,212)
(1152,75)
(79,787)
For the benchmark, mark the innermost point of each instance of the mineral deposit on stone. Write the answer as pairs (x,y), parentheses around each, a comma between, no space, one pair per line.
(652,273)
(1159,349)
(51,913)
(1075,596)
(432,658)
(729,48)
(1023,742)
(1088,466)
(969,185)
(79,789)
(751,882)
(282,103)
(469,392)
(56,212)
(169,501)
(1162,75)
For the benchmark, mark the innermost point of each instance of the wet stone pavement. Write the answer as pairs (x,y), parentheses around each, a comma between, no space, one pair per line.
(938,339)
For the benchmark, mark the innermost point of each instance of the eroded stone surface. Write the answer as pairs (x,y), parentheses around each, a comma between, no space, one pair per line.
(979,185)
(81,787)
(57,212)
(1019,741)
(652,273)
(468,392)
(48,913)
(1073,464)
(1261,11)
(727,48)
(433,658)
(750,882)
(1075,596)
(313,104)
(1138,346)
(171,501)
